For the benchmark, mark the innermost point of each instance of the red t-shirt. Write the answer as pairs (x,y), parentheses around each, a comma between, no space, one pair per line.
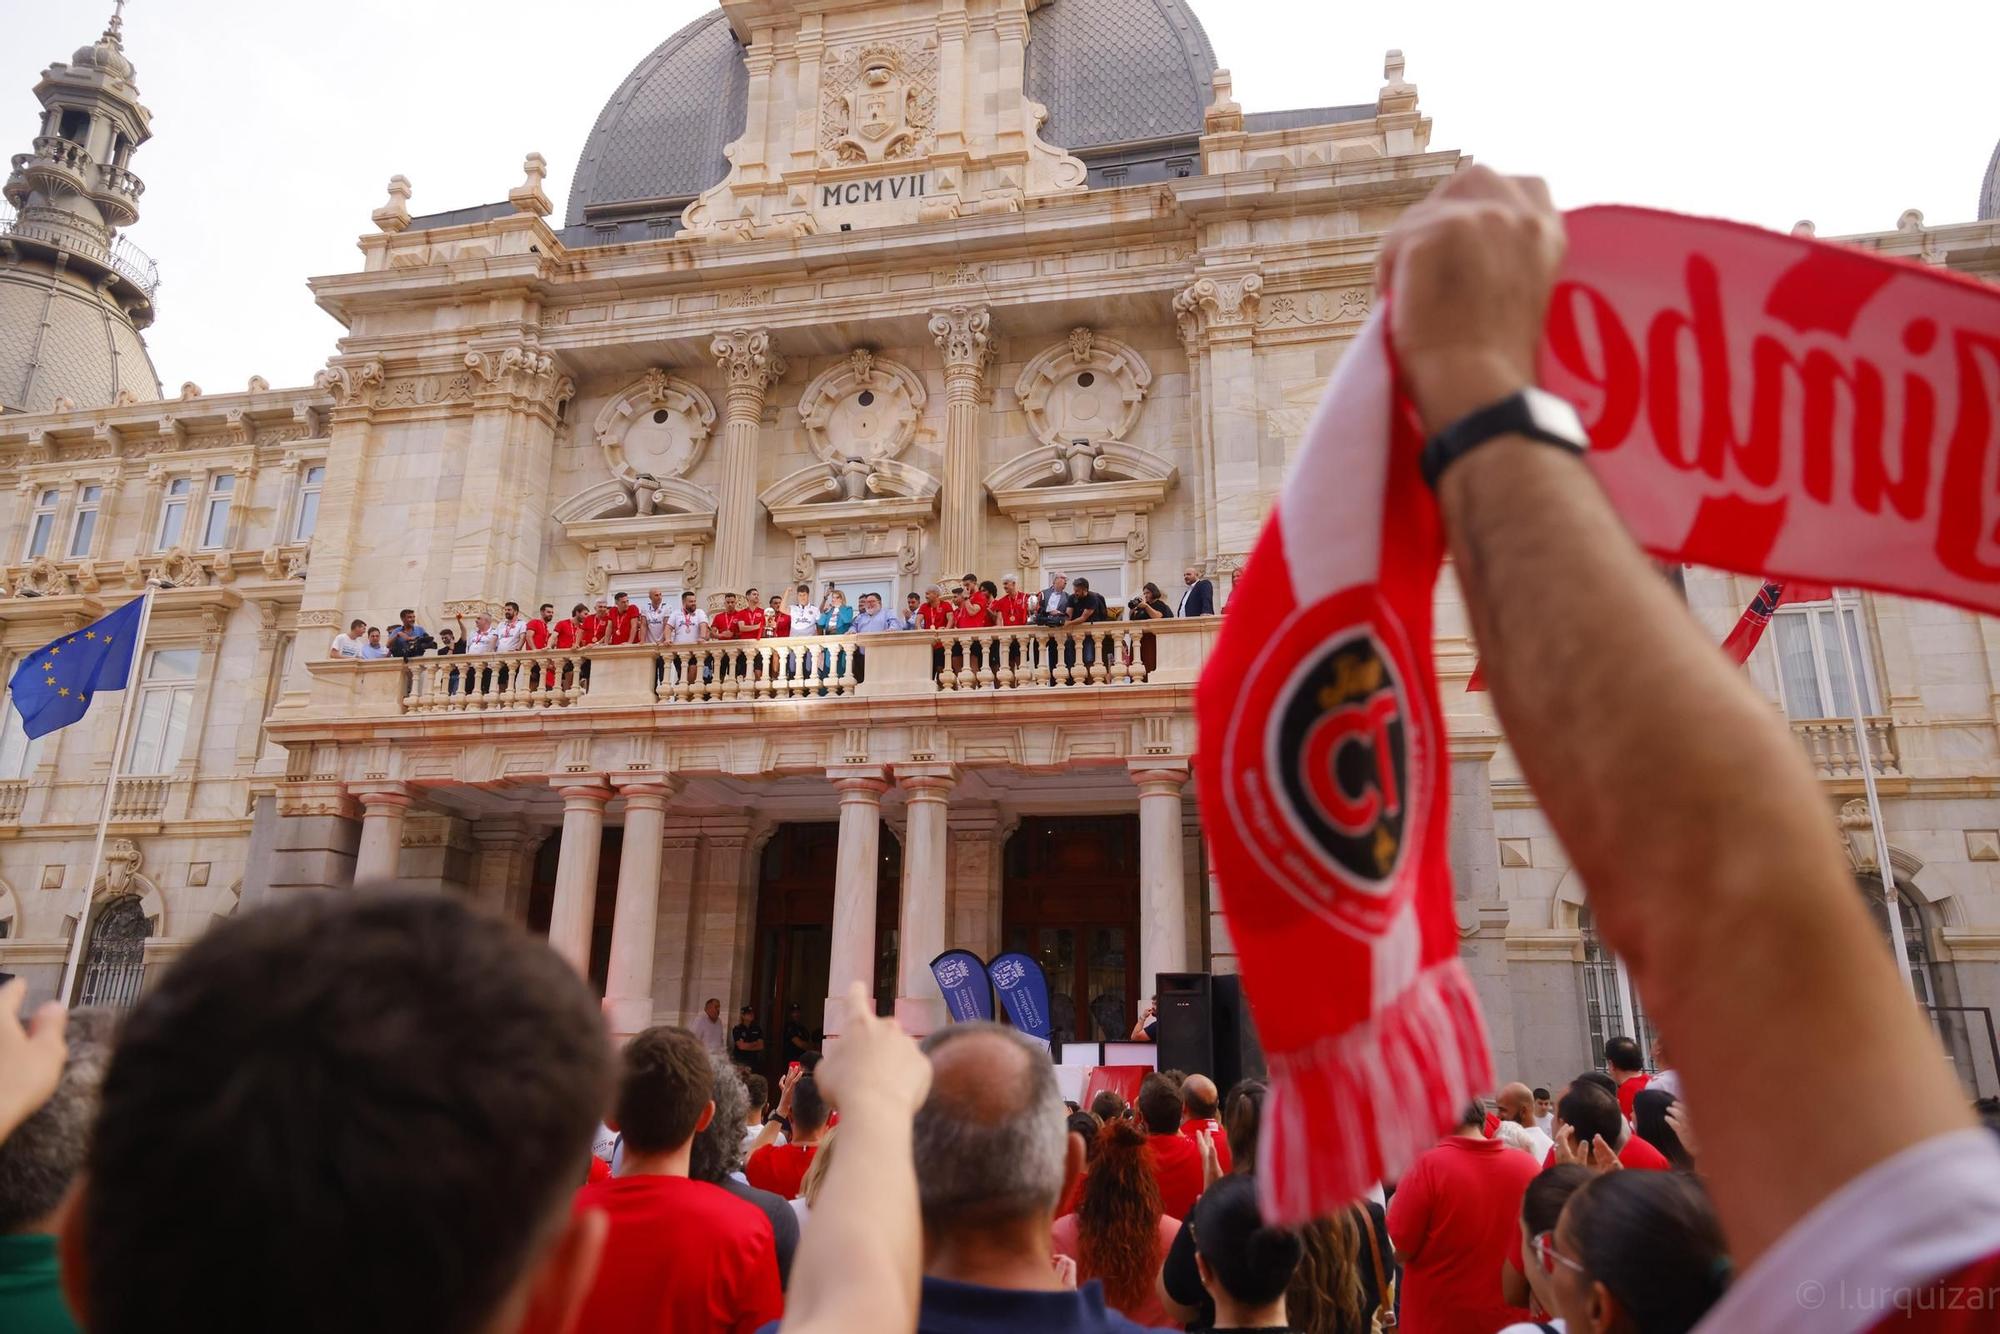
(1177,1167)
(750,623)
(1634,1153)
(978,598)
(622,627)
(779,1168)
(1630,1090)
(969,616)
(570,633)
(1210,1128)
(538,633)
(683,1256)
(934,615)
(1012,609)
(593,629)
(781,625)
(1454,1217)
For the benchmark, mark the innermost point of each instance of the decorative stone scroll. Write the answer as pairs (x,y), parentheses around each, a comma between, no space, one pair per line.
(862,408)
(1088,388)
(654,432)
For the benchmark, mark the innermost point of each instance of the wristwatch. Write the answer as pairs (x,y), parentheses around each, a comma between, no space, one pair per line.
(1531,413)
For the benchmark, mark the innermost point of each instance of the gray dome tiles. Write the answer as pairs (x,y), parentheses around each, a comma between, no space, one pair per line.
(1109,72)
(1989,193)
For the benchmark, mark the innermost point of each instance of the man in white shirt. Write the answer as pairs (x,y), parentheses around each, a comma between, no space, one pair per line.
(482,638)
(350,644)
(708,1024)
(653,614)
(1055,598)
(374,648)
(805,616)
(689,625)
(512,631)
(1516,1103)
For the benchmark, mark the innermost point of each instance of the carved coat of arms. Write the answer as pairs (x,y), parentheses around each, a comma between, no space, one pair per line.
(881,110)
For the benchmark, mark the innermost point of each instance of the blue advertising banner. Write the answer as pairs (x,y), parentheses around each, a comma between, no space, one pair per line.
(1024,991)
(962,978)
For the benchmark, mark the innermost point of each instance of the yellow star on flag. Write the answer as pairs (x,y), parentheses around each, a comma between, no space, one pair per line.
(90,634)
(52,680)
(70,640)
(64,691)
(54,649)
(48,666)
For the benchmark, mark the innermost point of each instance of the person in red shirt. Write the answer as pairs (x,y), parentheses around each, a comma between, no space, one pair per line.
(976,595)
(779,621)
(802,1114)
(1590,1118)
(1176,1159)
(596,625)
(543,626)
(621,623)
(1011,607)
(935,614)
(681,1255)
(1625,1065)
(573,629)
(1200,1121)
(1453,1221)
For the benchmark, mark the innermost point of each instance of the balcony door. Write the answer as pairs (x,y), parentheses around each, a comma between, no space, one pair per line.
(794,941)
(1071,899)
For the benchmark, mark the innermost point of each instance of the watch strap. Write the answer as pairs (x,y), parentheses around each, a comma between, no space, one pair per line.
(1512,415)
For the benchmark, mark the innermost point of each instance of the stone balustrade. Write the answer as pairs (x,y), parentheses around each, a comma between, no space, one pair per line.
(900,664)
(13,796)
(1829,744)
(140,798)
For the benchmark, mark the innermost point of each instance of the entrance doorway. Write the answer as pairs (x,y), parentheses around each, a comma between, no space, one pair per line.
(795,933)
(542,898)
(1071,900)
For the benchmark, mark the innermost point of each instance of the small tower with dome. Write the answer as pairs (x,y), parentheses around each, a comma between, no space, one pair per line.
(74,293)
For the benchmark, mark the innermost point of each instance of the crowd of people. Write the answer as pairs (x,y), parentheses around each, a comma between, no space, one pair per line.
(392,1112)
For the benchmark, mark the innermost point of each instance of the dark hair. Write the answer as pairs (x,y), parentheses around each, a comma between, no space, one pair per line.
(1159,1104)
(1251,1262)
(579,607)
(1622,1053)
(664,1082)
(45,1152)
(970,579)
(809,1109)
(1542,1093)
(759,1090)
(1118,1217)
(1652,1238)
(809,1059)
(686,594)
(405,612)
(989,588)
(1472,1114)
(511,605)
(1081,582)
(1542,1203)
(621,595)
(546,606)
(1107,1105)
(1590,1111)
(1087,1125)
(1152,588)
(1599,1078)
(356,621)
(1242,1116)
(1649,1123)
(383,1100)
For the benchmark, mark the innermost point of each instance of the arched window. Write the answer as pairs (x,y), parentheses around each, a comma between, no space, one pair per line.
(1916,934)
(1604,997)
(114,962)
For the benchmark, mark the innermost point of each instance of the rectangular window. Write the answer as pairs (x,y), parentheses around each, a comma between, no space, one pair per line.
(215,523)
(42,525)
(309,489)
(174,513)
(166,700)
(17,750)
(84,526)
(1812,675)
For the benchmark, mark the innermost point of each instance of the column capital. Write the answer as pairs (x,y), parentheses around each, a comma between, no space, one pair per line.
(383,796)
(858,780)
(751,362)
(1219,307)
(647,786)
(927,781)
(1158,778)
(965,335)
(584,790)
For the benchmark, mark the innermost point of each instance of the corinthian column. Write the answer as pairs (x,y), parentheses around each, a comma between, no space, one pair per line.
(964,335)
(752,364)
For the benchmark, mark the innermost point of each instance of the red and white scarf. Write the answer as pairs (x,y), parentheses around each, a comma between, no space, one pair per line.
(1756,402)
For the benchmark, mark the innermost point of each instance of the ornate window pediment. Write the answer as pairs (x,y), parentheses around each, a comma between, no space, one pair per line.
(653,432)
(1061,474)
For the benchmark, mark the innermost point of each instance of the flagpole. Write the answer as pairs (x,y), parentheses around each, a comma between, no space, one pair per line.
(76,944)
(1868,785)
(1628,1013)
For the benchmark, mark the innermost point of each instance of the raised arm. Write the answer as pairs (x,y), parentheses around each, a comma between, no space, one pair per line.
(1682,799)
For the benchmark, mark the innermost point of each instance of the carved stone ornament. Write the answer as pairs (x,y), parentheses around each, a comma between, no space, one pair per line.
(350,384)
(41,578)
(1209,304)
(878,102)
(525,372)
(656,429)
(122,860)
(862,408)
(180,569)
(1087,388)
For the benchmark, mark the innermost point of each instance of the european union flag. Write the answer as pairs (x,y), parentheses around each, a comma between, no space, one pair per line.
(54,685)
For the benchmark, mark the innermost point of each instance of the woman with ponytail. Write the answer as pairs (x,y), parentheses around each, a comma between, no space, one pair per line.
(1118,1234)
(1635,1253)
(1245,1266)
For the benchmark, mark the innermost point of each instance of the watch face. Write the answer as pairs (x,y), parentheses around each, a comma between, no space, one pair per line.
(1556,416)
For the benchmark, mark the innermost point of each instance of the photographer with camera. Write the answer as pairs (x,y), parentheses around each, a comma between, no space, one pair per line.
(410,640)
(1150,605)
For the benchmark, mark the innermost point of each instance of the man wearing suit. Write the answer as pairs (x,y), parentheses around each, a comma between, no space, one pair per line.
(1055,599)
(1199,597)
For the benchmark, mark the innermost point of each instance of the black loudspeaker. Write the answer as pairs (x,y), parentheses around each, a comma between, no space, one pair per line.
(1186,1036)
(1239,1054)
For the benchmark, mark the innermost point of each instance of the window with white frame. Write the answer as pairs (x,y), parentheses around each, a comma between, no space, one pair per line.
(1812,675)
(174,513)
(1102,563)
(306,520)
(853,576)
(215,516)
(83,526)
(166,701)
(17,749)
(42,523)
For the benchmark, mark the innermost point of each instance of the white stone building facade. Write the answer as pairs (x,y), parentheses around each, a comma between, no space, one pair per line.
(869,293)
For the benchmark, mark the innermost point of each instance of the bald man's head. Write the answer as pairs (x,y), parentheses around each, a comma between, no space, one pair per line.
(1517,1104)
(1199,1098)
(991,1139)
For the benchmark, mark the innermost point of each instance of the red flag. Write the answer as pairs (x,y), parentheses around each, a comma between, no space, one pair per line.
(1757,403)
(1749,628)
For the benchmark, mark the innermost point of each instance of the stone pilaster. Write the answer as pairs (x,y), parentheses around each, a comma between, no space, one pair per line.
(571,916)
(503,504)
(1239,468)
(723,895)
(383,810)
(978,860)
(1163,945)
(628,981)
(964,334)
(751,363)
(926,869)
(852,957)
(504,866)
(675,929)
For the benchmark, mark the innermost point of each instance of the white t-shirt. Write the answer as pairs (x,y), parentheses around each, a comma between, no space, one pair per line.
(511,635)
(685,628)
(711,1032)
(347,646)
(482,641)
(805,619)
(654,619)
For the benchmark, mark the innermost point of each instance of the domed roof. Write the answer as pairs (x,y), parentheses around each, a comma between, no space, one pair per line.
(107,53)
(60,338)
(1989,194)
(1109,72)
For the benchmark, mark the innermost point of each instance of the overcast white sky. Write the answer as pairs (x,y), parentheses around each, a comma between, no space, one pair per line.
(277,125)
